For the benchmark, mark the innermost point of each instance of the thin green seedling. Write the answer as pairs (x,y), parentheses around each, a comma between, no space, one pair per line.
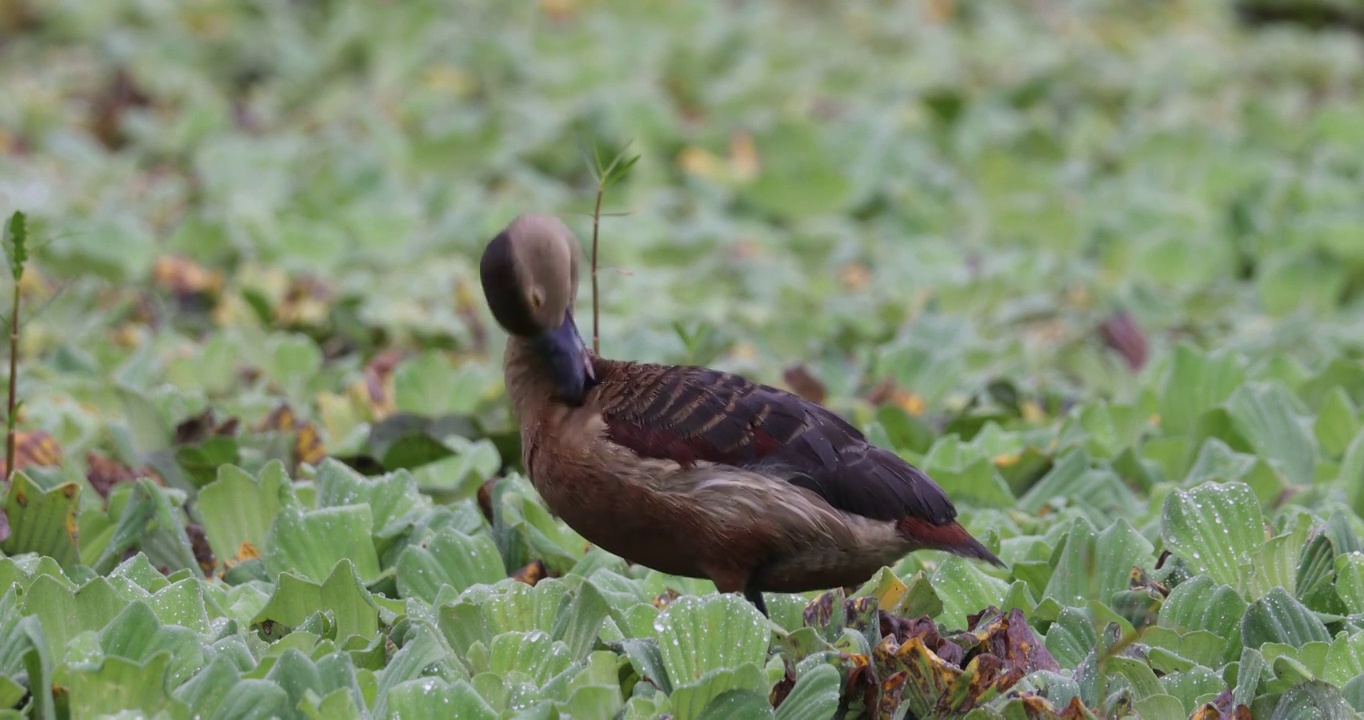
(605,175)
(16,249)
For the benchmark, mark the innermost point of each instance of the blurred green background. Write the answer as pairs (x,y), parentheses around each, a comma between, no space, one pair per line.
(1096,265)
(944,192)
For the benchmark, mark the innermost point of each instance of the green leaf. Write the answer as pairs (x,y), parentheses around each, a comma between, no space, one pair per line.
(1250,670)
(150,522)
(1198,647)
(311,543)
(342,594)
(1312,700)
(254,699)
(533,654)
(1197,382)
(1138,674)
(1316,575)
(292,360)
(1345,659)
(16,244)
(1217,529)
(151,432)
(1277,566)
(65,614)
(421,651)
(701,634)
(798,179)
(181,603)
(579,623)
(392,498)
(42,521)
(210,687)
(1071,637)
(25,663)
(1279,617)
(433,697)
(1290,281)
(647,659)
(1095,567)
(1350,581)
(814,697)
(1074,479)
(965,589)
(1193,687)
(1351,477)
(450,558)
(120,684)
(301,677)
(136,634)
(691,700)
(238,510)
(429,384)
(1337,422)
(1159,706)
(596,691)
(738,704)
(338,704)
(1264,415)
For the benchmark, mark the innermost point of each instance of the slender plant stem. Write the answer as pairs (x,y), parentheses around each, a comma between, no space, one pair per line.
(596,318)
(13,385)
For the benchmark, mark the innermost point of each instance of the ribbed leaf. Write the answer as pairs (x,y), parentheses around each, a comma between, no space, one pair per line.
(450,558)
(814,697)
(965,589)
(121,684)
(1094,567)
(433,697)
(1217,529)
(1313,700)
(1279,617)
(1196,383)
(1345,659)
(342,595)
(238,509)
(700,634)
(311,543)
(533,654)
(1265,416)
(690,700)
(41,521)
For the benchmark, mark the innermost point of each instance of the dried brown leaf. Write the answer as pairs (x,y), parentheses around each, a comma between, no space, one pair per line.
(783,686)
(805,384)
(1122,334)
(196,429)
(532,573)
(103,473)
(198,542)
(1009,638)
(33,448)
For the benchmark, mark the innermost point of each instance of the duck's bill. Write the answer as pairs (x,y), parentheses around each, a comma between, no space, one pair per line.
(570,362)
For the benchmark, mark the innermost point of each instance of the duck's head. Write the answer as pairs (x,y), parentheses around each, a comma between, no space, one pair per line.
(530,279)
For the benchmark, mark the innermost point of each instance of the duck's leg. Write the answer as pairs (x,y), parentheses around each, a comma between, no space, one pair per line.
(756,597)
(730,580)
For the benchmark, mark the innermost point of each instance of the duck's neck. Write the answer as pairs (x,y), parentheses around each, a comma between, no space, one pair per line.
(530,384)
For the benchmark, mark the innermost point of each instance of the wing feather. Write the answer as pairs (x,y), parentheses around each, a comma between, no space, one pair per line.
(690,415)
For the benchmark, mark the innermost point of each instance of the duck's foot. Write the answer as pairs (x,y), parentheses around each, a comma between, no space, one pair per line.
(756,597)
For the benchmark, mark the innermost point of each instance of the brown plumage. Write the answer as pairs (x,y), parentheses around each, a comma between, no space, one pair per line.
(692,471)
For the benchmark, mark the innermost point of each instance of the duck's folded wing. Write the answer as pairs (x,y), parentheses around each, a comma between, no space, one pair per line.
(692,415)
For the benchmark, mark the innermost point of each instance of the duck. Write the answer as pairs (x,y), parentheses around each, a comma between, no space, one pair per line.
(692,471)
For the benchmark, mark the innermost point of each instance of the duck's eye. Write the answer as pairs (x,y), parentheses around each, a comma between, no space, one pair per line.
(537,298)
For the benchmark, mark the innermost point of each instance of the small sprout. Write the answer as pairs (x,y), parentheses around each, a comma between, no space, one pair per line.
(605,175)
(15,242)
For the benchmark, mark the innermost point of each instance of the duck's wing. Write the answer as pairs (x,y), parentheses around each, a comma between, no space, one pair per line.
(691,415)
